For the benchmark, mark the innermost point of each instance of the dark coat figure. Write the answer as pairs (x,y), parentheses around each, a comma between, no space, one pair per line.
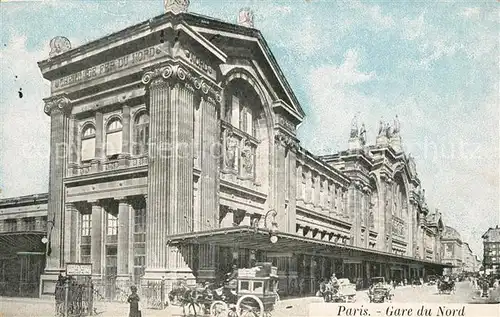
(133,300)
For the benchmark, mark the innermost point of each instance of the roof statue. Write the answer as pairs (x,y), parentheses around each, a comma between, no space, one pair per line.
(412,166)
(176,6)
(381,127)
(397,125)
(388,130)
(245,18)
(362,134)
(354,127)
(59,45)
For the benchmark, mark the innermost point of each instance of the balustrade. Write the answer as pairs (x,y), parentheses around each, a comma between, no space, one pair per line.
(85,168)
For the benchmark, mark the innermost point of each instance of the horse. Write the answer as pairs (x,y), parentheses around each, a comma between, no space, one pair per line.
(327,290)
(197,298)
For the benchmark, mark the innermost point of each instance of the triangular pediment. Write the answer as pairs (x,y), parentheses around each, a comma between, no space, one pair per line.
(249,43)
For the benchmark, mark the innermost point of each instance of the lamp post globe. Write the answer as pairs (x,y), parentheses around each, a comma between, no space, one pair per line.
(45,240)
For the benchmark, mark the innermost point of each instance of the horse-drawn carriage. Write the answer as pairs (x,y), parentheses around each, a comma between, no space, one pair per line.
(343,291)
(379,290)
(253,294)
(446,286)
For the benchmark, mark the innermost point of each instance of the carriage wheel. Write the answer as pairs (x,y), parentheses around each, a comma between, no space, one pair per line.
(219,309)
(250,306)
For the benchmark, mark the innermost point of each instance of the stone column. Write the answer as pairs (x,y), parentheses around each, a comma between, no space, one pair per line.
(57,107)
(123,239)
(170,173)
(96,239)
(20,224)
(126,140)
(99,146)
(388,214)
(73,146)
(210,162)
(286,180)
(354,209)
(71,213)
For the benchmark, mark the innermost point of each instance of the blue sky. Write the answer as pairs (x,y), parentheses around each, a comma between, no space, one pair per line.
(434,64)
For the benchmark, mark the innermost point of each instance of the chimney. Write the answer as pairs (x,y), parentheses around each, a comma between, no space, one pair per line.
(245,18)
(176,6)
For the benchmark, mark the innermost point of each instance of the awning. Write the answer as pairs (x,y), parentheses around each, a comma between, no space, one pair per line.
(21,241)
(259,239)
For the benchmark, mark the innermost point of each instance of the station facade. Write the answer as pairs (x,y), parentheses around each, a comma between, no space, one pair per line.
(174,155)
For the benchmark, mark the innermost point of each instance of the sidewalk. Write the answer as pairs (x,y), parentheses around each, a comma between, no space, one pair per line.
(45,307)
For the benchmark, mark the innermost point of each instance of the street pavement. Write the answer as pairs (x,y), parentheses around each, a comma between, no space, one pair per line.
(14,307)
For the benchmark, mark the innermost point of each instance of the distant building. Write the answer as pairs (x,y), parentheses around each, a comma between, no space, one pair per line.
(468,259)
(452,250)
(491,247)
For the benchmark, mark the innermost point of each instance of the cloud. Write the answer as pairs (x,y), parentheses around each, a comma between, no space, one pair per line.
(470,13)
(413,28)
(334,98)
(373,15)
(24,127)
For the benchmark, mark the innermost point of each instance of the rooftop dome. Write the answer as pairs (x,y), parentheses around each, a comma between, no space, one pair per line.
(451,233)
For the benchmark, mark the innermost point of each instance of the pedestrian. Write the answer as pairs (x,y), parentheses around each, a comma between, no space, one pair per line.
(133,300)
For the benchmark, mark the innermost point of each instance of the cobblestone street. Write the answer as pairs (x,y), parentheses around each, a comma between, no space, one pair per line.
(14,307)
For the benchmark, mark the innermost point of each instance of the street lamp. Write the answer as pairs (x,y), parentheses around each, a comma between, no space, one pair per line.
(274,225)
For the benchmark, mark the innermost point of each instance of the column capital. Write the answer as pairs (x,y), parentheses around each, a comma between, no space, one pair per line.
(94,202)
(57,103)
(157,76)
(122,199)
(286,140)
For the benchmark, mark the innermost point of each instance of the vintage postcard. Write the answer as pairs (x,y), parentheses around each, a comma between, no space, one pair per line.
(249,158)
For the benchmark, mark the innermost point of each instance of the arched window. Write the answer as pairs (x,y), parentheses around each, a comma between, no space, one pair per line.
(113,138)
(141,138)
(88,143)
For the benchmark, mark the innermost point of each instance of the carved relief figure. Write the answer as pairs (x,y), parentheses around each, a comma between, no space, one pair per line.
(247,158)
(371,220)
(231,147)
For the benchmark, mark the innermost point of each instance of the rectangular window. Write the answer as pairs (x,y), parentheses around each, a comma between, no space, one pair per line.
(86,225)
(114,143)
(85,254)
(112,226)
(88,149)
(11,225)
(235,109)
(29,224)
(249,123)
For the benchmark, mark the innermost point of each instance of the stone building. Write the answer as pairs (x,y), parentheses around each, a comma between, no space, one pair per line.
(386,202)
(174,156)
(469,259)
(491,248)
(23,224)
(452,249)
